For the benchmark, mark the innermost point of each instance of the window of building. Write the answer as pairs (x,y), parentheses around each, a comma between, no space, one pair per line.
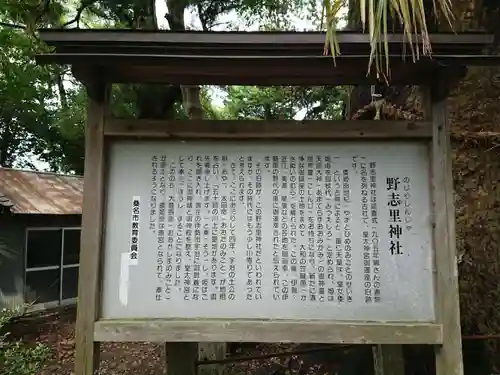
(52,264)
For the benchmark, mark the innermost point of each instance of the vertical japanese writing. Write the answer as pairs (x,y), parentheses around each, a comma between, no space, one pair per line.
(276,228)
(320,229)
(367,266)
(219,226)
(170,277)
(152,196)
(249,228)
(329,230)
(134,233)
(161,291)
(285,217)
(258,232)
(210,215)
(339,256)
(227,251)
(376,266)
(201,271)
(347,235)
(188,232)
(394,203)
(293,193)
(250,235)
(302,230)
(192,240)
(376,298)
(364,194)
(373,193)
(209,248)
(182,253)
(211,229)
(201,245)
(311,243)
(232,233)
(407,202)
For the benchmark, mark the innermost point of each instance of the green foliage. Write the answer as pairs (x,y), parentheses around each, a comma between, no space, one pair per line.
(25,96)
(43,109)
(285,103)
(278,14)
(62,142)
(17,358)
(40,116)
(32,13)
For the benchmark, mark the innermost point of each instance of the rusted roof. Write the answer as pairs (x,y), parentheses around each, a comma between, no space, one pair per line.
(30,192)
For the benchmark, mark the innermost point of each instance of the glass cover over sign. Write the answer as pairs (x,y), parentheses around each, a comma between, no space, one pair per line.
(338,231)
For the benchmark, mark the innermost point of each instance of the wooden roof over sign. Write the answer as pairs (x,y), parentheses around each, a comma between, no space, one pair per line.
(256,58)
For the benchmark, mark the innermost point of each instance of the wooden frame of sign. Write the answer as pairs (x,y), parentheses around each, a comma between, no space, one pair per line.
(444,332)
(182,334)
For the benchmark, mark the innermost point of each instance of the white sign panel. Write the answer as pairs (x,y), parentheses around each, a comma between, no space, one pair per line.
(338,231)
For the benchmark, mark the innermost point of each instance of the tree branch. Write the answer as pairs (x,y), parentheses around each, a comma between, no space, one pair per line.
(84,5)
(203,21)
(61,90)
(314,111)
(12,25)
(46,6)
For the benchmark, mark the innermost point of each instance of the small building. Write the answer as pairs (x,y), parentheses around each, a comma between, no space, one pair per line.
(40,216)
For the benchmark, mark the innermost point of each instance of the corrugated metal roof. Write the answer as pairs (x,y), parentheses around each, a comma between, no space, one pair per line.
(30,192)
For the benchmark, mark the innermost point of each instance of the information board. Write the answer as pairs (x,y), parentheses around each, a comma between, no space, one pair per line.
(268,230)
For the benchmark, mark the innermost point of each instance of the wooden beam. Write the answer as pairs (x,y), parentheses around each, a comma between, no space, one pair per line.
(236,129)
(87,352)
(267,331)
(220,39)
(449,354)
(292,70)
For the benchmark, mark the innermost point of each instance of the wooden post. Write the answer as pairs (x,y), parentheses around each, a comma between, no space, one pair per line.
(181,358)
(87,351)
(388,360)
(211,351)
(449,354)
(193,352)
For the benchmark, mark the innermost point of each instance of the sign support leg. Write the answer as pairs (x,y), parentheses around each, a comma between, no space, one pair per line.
(449,355)
(211,351)
(181,358)
(87,351)
(388,360)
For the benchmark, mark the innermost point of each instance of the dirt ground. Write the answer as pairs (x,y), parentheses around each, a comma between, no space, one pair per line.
(58,331)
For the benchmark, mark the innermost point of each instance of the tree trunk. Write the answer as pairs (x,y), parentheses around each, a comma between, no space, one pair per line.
(190,94)
(6,140)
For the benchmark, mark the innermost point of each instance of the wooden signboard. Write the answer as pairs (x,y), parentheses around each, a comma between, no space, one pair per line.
(285,240)
(231,235)
(277,231)
(266,231)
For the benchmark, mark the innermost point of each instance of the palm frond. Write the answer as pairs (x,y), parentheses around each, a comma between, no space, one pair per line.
(374,16)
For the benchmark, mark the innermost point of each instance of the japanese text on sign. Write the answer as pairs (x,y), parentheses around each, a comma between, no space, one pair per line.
(284,231)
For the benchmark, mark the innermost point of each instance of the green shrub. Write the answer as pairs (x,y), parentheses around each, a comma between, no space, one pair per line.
(17,358)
